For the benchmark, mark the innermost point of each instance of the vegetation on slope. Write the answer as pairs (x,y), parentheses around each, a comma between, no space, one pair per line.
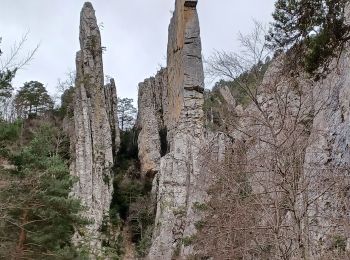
(132,202)
(316,28)
(38,217)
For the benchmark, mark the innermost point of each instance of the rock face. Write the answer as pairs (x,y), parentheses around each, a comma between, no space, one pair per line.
(319,114)
(152,103)
(110,91)
(296,158)
(172,102)
(295,136)
(94,121)
(179,186)
(227,95)
(327,158)
(185,71)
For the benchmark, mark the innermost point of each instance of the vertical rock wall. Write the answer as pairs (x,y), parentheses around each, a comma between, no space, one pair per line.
(327,160)
(185,69)
(110,91)
(180,181)
(152,104)
(94,120)
(173,100)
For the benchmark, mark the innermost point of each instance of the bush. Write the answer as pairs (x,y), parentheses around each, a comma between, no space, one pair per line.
(141,220)
(9,132)
(339,243)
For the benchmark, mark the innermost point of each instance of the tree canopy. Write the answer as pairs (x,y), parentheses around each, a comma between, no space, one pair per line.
(38,215)
(126,113)
(33,98)
(317,24)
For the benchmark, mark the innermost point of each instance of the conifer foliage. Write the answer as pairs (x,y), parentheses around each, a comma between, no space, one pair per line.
(38,217)
(319,25)
(33,98)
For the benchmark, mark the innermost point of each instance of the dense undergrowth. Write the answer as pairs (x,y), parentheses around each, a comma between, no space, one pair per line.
(37,217)
(131,204)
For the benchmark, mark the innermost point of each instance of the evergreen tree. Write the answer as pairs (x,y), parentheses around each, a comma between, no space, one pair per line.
(33,98)
(39,217)
(294,20)
(319,25)
(126,113)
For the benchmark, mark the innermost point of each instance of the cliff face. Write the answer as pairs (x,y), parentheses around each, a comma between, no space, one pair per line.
(292,147)
(185,70)
(293,161)
(94,121)
(289,150)
(152,103)
(179,179)
(327,157)
(172,102)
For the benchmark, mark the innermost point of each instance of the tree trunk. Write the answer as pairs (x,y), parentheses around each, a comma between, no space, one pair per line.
(21,238)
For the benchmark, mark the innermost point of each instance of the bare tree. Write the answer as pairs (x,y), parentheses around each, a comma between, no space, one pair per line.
(10,64)
(15,60)
(64,85)
(268,194)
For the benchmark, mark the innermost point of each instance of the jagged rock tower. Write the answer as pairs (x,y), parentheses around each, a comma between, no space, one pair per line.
(94,119)
(172,101)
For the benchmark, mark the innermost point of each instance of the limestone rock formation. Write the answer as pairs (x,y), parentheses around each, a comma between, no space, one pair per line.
(152,103)
(185,70)
(295,125)
(327,157)
(227,95)
(179,180)
(112,112)
(173,100)
(300,148)
(94,120)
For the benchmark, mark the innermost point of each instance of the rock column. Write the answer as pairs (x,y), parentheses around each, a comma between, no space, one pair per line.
(180,184)
(92,142)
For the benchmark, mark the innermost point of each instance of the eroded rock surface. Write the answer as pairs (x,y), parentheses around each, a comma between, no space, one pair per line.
(173,101)
(94,121)
(152,103)
(112,113)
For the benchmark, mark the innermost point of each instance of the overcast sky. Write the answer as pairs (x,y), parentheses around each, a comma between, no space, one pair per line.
(134,33)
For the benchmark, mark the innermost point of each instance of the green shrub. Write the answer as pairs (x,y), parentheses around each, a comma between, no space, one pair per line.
(339,243)
(141,221)
(200,206)
(187,241)
(10,132)
(200,224)
(144,243)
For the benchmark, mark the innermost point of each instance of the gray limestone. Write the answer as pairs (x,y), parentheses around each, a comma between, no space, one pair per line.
(152,105)
(172,101)
(94,120)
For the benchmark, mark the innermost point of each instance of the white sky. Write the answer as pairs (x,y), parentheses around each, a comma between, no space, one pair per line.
(134,33)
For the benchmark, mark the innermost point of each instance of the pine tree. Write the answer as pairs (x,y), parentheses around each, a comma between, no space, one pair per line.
(33,98)
(40,217)
(126,113)
(319,25)
(294,20)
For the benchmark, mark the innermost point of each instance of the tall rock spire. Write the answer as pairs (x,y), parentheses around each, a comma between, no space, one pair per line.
(92,142)
(179,183)
(185,68)
(112,112)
